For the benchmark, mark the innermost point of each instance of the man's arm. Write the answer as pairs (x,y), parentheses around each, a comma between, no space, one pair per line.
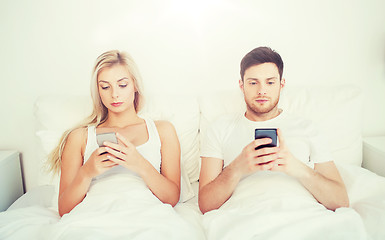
(324,182)
(216,184)
(326,185)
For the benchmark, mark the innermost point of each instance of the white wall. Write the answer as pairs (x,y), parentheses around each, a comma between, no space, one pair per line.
(48,47)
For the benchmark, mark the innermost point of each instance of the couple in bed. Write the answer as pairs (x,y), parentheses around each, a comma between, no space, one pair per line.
(142,170)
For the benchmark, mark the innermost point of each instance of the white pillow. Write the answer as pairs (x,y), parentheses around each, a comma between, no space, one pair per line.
(61,112)
(183,112)
(336,110)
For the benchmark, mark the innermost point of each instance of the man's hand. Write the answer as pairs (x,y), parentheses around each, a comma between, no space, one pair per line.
(216,184)
(286,162)
(251,160)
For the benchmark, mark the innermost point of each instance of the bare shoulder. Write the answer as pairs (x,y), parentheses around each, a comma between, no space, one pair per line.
(72,156)
(166,130)
(76,140)
(78,135)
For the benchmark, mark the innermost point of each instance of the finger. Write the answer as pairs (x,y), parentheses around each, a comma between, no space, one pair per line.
(109,163)
(266,166)
(266,158)
(266,151)
(114,146)
(118,154)
(278,168)
(114,160)
(281,139)
(102,155)
(100,151)
(279,165)
(259,142)
(124,140)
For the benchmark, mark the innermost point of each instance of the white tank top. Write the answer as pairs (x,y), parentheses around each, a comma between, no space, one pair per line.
(150,150)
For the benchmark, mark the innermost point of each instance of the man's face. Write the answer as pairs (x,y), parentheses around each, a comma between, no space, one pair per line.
(261,87)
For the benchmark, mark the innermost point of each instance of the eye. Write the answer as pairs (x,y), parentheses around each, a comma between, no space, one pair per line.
(122,85)
(271,82)
(104,87)
(253,83)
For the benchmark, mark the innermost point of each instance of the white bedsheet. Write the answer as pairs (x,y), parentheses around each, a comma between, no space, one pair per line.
(274,207)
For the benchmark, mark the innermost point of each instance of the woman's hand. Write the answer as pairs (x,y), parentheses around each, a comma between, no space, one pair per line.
(125,154)
(98,163)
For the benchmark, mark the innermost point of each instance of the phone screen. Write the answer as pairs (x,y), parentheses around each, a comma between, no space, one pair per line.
(106,137)
(266,133)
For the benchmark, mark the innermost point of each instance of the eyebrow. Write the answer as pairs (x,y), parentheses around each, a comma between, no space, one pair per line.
(125,78)
(270,78)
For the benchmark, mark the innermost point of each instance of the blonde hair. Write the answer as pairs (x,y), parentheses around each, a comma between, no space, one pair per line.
(100,112)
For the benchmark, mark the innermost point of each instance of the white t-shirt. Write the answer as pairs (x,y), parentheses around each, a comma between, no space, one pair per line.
(228,135)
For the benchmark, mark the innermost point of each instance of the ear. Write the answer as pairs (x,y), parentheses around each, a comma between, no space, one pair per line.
(283,82)
(241,85)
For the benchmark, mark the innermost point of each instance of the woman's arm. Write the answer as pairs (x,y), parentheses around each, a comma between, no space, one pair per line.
(73,183)
(164,185)
(75,177)
(167,188)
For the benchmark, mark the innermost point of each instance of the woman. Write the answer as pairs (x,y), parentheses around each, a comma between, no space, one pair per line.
(115,189)
(117,95)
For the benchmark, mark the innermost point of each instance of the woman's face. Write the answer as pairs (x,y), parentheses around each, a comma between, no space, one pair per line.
(116,88)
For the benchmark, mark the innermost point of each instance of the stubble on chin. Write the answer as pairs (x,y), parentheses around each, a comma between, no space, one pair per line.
(259,109)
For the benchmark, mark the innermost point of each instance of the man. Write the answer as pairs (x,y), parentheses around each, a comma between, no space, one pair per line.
(229,152)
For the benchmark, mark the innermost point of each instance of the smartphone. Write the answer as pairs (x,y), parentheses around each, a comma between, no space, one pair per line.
(266,133)
(106,137)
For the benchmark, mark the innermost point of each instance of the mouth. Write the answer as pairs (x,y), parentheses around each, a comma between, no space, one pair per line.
(261,100)
(116,104)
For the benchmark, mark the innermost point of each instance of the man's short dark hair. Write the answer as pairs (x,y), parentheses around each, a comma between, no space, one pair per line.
(261,55)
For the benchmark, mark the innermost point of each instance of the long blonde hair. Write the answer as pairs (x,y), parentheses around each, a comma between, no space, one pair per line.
(100,112)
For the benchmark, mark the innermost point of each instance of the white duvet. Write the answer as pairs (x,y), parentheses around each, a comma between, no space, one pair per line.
(273,206)
(264,206)
(118,207)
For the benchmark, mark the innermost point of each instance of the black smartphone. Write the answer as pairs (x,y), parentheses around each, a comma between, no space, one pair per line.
(266,133)
(106,137)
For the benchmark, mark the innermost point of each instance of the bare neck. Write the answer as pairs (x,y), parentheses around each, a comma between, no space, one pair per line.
(121,120)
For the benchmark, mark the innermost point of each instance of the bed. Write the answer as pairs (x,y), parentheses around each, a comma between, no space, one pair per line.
(337,110)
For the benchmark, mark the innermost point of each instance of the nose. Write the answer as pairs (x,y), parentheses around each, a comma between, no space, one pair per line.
(262,89)
(115,92)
